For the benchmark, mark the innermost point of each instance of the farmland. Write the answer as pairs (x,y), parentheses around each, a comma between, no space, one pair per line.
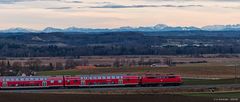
(212,69)
(216,71)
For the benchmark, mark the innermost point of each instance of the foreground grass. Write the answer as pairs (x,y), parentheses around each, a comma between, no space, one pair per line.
(210,81)
(216,95)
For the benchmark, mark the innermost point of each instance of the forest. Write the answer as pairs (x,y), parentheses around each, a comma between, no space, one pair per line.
(118,43)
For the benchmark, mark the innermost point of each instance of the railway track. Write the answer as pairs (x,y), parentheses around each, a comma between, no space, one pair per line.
(105,89)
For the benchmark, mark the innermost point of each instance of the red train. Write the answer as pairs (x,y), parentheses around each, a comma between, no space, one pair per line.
(14,82)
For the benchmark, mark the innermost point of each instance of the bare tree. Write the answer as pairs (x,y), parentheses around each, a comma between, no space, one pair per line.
(116,63)
(70,64)
(168,61)
(141,61)
(59,66)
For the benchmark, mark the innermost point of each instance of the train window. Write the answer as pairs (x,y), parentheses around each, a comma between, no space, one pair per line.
(172,77)
(99,77)
(31,79)
(36,79)
(117,77)
(90,77)
(41,78)
(12,79)
(108,77)
(59,81)
(52,81)
(113,77)
(22,79)
(17,79)
(162,77)
(94,77)
(103,77)
(151,77)
(7,79)
(27,79)
(121,77)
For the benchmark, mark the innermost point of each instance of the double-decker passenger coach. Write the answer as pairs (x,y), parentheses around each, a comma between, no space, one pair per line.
(101,80)
(31,82)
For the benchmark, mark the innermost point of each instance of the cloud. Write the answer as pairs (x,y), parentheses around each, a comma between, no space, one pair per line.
(15,1)
(233,7)
(75,1)
(224,0)
(143,6)
(190,0)
(123,6)
(59,8)
(181,6)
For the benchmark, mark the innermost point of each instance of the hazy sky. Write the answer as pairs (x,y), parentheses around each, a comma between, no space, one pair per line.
(39,14)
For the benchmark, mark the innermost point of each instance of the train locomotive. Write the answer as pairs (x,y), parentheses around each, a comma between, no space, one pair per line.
(23,82)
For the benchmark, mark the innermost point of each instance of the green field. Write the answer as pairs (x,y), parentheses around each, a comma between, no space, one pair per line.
(217,95)
(210,81)
(59,72)
(96,71)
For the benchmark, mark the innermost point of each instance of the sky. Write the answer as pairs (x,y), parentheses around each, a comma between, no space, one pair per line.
(38,14)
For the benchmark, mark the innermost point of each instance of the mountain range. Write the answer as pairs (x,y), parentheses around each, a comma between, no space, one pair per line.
(159,27)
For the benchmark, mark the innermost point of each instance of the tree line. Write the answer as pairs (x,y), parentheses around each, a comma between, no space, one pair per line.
(118,43)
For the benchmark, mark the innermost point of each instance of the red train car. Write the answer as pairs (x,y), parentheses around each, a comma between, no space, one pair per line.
(31,82)
(101,80)
(72,81)
(156,79)
(15,82)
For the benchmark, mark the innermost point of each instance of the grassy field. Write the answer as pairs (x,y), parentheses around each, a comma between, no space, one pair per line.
(189,70)
(210,81)
(217,95)
(59,72)
(31,97)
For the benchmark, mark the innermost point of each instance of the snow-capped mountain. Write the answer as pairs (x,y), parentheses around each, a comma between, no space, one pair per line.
(51,29)
(159,27)
(18,30)
(222,27)
(75,29)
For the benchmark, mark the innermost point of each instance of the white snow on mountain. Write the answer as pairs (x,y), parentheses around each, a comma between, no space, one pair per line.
(158,27)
